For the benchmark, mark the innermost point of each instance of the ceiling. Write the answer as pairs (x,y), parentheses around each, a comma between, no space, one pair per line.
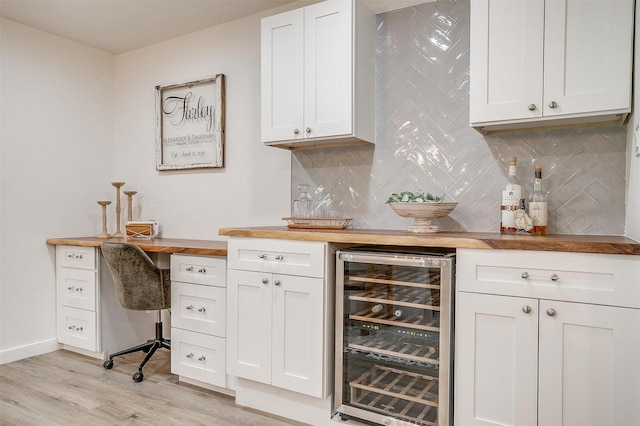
(118,26)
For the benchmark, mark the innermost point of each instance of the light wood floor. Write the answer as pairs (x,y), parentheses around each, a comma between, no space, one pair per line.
(65,388)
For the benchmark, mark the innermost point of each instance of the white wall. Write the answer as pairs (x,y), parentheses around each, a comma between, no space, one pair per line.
(254,187)
(632,228)
(57,159)
(74,119)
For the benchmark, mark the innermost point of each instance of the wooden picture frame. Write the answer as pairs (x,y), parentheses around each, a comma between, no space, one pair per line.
(190,124)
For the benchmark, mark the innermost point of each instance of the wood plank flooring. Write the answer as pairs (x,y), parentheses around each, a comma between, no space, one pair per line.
(65,388)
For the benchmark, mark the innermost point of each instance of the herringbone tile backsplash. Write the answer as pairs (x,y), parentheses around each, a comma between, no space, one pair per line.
(423,141)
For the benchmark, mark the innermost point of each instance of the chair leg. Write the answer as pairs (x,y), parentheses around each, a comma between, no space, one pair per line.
(149,348)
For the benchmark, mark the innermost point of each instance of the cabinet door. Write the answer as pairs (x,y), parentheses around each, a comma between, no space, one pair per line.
(587,56)
(328,88)
(298,325)
(282,76)
(506,60)
(496,362)
(589,368)
(249,311)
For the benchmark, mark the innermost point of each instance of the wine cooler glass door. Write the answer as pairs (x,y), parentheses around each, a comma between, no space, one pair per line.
(394,342)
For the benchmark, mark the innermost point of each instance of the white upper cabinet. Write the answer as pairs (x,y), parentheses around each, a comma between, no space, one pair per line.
(550,63)
(310,59)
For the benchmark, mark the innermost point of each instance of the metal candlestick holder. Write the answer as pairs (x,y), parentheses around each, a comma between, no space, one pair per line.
(118,185)
(104,205)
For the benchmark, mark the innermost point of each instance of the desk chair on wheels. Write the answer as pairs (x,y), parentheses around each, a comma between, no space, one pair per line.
(141,286)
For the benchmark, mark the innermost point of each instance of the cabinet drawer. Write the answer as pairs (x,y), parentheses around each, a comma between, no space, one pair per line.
(77,327)
(76,257)
(198,356)
(199,269)
(77,288)
(575,277)
(277,256)
(198,308)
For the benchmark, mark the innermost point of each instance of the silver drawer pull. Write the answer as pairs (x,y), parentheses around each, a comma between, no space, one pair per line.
(202,270)
(73,327)
(202,358)
(203,309)
(265,281)
(190,355)
(79,289)
(554,277)
(525,275)
(279,257)
(189,268)
(262,256)
(551,312)
(526,309)
(189,308)
(276,282)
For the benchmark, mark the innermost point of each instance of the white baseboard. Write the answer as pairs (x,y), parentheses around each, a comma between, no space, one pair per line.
(27,351)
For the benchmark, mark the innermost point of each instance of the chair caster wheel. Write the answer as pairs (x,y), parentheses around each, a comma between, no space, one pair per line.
(137,377)
(108,364)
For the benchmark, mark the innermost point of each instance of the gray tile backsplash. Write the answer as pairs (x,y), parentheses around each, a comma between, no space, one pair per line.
(423,141)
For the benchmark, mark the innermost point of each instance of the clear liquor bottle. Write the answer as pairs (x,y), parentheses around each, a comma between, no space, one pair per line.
(511,200)
(538,205)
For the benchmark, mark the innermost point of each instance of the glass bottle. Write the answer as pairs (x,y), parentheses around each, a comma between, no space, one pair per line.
(302,207)
(538,206)
(511,200)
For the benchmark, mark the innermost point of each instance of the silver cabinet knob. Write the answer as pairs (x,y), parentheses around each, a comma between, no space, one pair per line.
(525,275)
(532,107)
(526,309)
(277,282)
(551,312)
(308,130)
(262,256)
(554,277)
(189,308)
(202,270)
(265,281)
(190,268)
(296,131)
(279,257)
(553,104)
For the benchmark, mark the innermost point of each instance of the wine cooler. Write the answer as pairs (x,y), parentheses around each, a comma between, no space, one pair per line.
(394,336)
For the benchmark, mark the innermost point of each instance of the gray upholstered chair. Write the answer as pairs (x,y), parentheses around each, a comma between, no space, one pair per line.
(141,286)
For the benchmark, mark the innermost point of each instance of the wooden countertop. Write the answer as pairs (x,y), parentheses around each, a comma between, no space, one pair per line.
(156,245)
(486,240)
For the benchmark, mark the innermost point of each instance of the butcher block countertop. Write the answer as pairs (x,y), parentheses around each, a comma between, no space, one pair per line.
(156,245)
(484,240)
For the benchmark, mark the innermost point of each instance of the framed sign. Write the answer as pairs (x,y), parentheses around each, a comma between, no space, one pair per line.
(190,124)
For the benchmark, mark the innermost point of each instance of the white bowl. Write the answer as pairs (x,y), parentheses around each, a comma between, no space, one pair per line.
(422,213)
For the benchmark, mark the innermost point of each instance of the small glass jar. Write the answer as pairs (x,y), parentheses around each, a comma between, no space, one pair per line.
(303,206)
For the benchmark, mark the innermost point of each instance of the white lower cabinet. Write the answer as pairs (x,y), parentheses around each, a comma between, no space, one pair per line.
(198,319)
(277,321)
(530,350)
(89,317)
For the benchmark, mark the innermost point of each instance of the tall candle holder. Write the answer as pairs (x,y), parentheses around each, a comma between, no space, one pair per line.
(118,185)
(104,205)
(130,195)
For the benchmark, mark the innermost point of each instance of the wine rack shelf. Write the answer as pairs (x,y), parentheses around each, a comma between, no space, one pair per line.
(407,349)
(387,318)
(402,394)
(410,297)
